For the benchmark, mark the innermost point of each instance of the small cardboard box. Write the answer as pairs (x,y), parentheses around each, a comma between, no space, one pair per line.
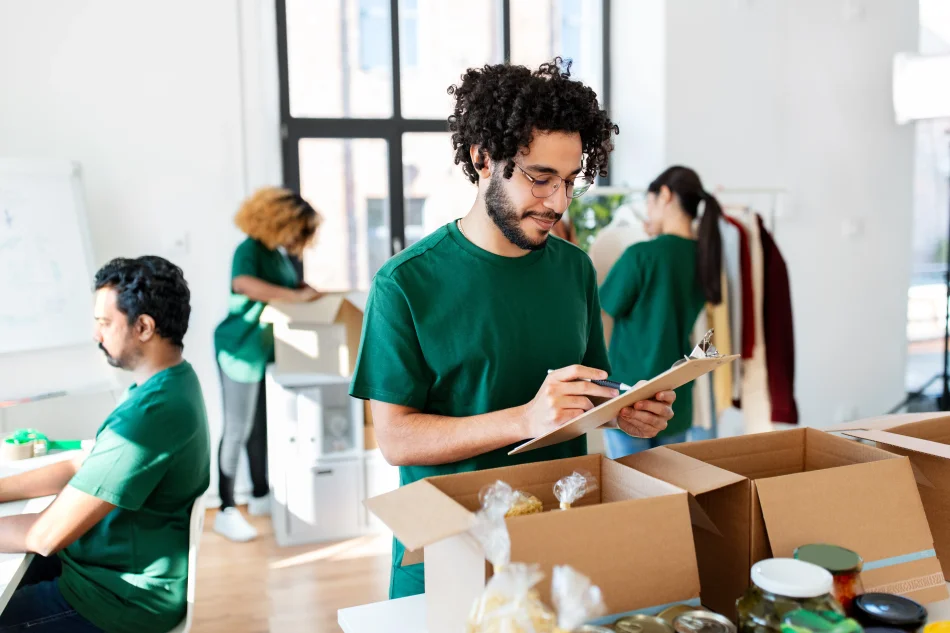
(925,439)
(769,493)
(632,536)
(321,337)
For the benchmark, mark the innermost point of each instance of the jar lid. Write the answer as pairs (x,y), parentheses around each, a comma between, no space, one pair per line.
(792,578)
(831,557)
(888,609)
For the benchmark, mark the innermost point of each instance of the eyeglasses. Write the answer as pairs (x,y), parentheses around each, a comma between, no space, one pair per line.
(545,186)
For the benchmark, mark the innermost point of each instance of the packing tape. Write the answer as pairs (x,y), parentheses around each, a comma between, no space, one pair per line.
(610,619)
(900,560)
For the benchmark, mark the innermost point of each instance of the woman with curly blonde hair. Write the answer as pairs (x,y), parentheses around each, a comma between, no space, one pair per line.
(278,224)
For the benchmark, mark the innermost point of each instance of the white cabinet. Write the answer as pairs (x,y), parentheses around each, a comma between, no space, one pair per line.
(380,478)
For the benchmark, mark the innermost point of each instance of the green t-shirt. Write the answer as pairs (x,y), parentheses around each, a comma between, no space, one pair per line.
(151,460)
(242,343)
(654,297)
(454,330)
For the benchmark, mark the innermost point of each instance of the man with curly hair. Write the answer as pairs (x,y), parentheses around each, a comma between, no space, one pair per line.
(113,546)
(462,327)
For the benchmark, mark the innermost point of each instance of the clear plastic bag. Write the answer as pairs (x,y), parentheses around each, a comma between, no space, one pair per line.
(510,604)
(516,502)
(576,599)
(574,487)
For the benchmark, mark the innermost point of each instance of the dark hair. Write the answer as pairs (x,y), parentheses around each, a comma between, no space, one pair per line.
(499,107)
(150,285)
(684,183)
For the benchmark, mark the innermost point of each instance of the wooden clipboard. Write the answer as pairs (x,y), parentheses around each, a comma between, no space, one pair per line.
(607,410)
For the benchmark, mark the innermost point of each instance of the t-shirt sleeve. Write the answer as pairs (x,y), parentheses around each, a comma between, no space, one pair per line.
(596,355)
(246,260)
(391,366)
(128,460)
(620,290)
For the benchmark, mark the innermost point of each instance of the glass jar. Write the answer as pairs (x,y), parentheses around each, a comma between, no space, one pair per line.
(780,586)
(843,564)
(889,610)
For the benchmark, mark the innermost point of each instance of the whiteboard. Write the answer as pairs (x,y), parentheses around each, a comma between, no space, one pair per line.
(45,260)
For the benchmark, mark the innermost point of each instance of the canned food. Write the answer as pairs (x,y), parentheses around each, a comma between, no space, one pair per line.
(590,628)
(702,622)
(642,624)
(670,614)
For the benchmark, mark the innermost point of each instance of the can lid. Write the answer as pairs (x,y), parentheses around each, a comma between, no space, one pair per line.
(831,557)
(888,609)
(792,578)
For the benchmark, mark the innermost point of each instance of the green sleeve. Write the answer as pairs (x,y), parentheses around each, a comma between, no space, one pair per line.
(131,455)
(596,355)
(622,286)
(246,260)
(391,366)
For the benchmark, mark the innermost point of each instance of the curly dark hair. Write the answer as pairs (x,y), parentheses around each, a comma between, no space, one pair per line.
(499,107)
(150,285)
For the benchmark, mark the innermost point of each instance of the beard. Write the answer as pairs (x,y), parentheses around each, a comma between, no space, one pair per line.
(119,362)
(508,220)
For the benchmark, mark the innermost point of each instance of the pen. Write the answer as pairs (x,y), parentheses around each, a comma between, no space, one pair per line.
(610,384)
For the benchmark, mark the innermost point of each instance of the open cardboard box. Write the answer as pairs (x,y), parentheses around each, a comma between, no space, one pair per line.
(769,493)
(925,439)
(632,536)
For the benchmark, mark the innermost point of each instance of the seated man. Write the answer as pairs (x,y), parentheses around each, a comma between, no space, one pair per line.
(113,546)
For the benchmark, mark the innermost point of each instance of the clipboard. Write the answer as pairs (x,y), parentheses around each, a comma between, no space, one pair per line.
(703,360)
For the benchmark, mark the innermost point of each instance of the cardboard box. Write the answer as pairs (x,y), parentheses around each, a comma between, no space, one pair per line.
(925,439)
(632,536)
(772,492)
(319,337)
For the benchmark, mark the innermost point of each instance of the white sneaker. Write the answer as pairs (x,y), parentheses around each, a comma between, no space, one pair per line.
(232,525)
(259,506)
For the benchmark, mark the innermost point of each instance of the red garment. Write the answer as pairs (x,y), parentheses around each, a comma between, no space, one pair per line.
(779,336)
(748,298)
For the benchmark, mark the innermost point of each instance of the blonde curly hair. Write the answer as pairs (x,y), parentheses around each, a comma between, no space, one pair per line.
(279,217)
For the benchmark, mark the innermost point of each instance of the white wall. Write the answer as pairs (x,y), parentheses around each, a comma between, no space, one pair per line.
(152,100)
(797,95)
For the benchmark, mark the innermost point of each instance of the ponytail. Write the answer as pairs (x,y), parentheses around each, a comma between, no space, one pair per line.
(709,250)
(685,184)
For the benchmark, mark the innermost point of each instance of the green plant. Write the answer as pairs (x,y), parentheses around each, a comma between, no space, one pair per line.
(592,212)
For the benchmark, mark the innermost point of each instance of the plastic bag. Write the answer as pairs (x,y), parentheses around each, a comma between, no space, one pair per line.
(572,488)
(510,604)
(576,599)
(516,502)
(490,531)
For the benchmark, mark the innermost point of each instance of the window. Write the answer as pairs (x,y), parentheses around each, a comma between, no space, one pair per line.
(364,108)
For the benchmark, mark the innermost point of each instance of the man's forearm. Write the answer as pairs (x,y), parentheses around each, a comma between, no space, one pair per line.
(423,439)
(42,482)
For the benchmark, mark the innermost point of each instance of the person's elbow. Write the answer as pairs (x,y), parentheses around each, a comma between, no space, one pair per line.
(45,543)
(390,425)
(393,449)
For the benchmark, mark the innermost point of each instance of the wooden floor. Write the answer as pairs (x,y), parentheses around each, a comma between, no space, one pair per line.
(258,587)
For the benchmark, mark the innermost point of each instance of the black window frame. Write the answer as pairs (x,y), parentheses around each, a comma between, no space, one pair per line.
(392,129)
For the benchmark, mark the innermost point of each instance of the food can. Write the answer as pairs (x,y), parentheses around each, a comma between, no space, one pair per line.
(642,624)
(678,609)
(590,628)
(702,622)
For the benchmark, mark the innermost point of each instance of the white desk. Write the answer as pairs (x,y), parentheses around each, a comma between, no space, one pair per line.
(13,566)
(408,615)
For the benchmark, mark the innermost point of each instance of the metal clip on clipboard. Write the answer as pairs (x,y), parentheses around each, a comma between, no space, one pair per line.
(704,349)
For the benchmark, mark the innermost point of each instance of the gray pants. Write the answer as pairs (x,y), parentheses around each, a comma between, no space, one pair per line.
(245,426)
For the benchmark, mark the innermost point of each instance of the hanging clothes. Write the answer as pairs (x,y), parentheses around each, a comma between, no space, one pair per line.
(756,405)
(779,334)
(732,266)
(718,316)
(746,286)
(703,409)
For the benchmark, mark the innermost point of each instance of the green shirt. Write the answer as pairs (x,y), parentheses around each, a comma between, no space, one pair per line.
(454,330)
(655,298)
(242,343)
(151,460)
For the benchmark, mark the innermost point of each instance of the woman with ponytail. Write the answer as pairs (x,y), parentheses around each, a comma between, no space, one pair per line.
(279,224)
(656,291)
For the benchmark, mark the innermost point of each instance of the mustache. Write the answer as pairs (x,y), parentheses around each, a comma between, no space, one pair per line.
(547,217)
(104,350)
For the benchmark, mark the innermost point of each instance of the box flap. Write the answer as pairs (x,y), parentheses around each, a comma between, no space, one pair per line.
(903,441)
(323,311)
(420,514)
(607,411)
(887,422)
(690,474)
(872,508)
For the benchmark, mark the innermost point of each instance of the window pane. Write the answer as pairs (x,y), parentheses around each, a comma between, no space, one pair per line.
(437,191)
(572,29)
(432,57)
(346,180)
(339,58)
